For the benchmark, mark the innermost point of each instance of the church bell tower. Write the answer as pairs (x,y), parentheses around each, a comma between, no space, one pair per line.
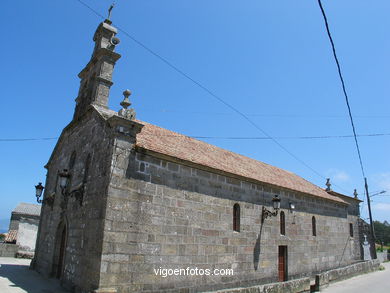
(96,77)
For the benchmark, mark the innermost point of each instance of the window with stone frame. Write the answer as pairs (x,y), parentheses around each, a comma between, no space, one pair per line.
(86,168)
(236,217)
(72,161)
(313,226)
(282,223)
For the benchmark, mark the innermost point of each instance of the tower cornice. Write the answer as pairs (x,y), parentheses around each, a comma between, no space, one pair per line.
(96,76)
(100,53)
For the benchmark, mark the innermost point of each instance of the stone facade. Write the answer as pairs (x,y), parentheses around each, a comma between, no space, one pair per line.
(164,214)
(84,224)
(129,210)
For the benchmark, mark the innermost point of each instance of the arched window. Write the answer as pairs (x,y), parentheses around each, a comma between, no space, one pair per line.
(86,168)
(313,226)
(282,224)
(72,160)
(236,217)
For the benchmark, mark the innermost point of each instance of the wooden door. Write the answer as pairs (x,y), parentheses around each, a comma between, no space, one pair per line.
(282,267)
(61,254)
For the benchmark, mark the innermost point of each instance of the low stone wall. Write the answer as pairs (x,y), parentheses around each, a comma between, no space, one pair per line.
(383,256)
(8,250)
(293,286)
(24,254)
(300,285)
(323,279)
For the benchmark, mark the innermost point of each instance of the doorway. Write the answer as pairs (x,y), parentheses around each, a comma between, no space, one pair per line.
(59,252)
(282,266)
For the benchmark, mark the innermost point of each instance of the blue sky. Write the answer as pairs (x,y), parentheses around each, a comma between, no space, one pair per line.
(269,59)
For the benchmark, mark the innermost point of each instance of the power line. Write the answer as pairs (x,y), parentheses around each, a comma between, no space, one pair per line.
(204,88)
(294,137)
(372,230)
(225,137)
(265,115)
(343,86)
(27,139)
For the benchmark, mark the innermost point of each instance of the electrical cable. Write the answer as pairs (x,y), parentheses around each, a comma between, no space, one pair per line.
(343,85)
(266,115)
(226,137)
(351,118)
(27,139)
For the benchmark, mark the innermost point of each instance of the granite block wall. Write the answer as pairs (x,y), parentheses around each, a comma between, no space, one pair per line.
(84,223)
(162,213)
(8,250)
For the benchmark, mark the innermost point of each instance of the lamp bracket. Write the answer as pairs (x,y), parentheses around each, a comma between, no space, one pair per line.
(77,193)
(267,213)
(49,200)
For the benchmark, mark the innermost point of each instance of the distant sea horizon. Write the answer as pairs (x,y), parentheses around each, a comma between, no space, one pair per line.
(4,223)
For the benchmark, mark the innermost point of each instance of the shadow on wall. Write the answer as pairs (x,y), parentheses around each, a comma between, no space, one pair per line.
(20,276)
(257,250)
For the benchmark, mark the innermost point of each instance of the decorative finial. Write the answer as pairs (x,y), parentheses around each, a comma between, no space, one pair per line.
(124,112)
(328,185)
(355,193)
(126,102)
(109,10)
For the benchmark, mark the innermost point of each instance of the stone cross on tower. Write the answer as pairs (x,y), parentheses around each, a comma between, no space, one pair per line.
(96,77)
(109,11)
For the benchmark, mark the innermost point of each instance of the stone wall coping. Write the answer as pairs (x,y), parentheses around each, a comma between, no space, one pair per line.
(325,278)
(105,290)
(292,286)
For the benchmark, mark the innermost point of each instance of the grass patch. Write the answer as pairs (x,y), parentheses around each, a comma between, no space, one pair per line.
(378,246)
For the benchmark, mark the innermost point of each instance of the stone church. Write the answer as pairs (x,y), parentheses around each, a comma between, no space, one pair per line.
(126,200)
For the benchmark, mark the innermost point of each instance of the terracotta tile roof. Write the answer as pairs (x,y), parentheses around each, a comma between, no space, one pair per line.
(11,236)
(179,146)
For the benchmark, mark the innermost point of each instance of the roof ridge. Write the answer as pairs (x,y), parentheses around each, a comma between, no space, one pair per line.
(148,139)
(170,143)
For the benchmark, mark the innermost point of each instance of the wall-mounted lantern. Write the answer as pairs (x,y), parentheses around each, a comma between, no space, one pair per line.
(267,213)
(64,181)
(78,192)
(292,210)
(38,193)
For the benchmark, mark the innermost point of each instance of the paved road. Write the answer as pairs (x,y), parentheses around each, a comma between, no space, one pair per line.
(377,282)
(16,277)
